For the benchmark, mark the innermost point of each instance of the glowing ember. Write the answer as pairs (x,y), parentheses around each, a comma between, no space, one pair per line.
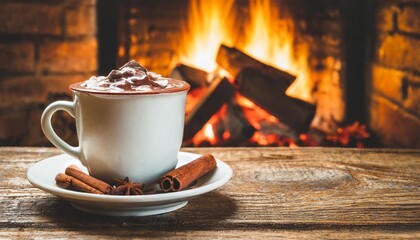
(226,135)
(255,114)
(353,135)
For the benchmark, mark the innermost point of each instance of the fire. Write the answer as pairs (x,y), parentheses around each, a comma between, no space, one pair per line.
(269,37)
(204,31)
(257,117)
(271,41)
(255,114)
(206,134)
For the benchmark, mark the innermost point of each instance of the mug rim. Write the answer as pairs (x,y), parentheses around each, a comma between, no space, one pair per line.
(76,87)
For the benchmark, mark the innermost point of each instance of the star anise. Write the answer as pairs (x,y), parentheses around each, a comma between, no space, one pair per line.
(126,187)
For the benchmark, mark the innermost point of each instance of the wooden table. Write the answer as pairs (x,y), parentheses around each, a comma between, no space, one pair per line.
(302,193)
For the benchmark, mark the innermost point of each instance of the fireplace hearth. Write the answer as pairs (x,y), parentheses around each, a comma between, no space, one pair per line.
(350,68)
(255,45)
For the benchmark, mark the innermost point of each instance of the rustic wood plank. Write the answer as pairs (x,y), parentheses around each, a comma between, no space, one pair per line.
(275,192)
(121,233)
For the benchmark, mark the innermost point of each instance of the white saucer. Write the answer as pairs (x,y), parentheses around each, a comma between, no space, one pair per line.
(42,175)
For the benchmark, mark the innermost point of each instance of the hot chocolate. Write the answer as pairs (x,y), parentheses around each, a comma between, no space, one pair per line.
(129,123)
(130,78)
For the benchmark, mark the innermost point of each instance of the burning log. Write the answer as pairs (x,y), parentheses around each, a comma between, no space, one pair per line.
(219,93)
(293,112)
(234,128)
(194,76)
(234,61)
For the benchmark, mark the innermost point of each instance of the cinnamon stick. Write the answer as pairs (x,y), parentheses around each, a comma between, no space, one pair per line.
(63,180)
(183,176)
(66,181)
(74,166)
(89,180)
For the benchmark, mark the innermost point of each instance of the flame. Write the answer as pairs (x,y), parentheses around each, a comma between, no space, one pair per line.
(208,132)
(262,41)
(204,31)
(269,37)
(272,41)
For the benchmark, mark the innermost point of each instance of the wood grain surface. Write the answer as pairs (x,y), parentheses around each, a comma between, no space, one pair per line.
(302,193)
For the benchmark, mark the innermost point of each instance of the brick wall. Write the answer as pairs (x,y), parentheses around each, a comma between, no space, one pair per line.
(395,74)
(44,46)
(154,29)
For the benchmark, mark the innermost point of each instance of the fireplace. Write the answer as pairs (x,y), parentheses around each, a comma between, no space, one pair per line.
(298,45)
(346,72)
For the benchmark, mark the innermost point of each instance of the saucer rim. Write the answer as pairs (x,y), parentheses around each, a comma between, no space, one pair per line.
(149,198)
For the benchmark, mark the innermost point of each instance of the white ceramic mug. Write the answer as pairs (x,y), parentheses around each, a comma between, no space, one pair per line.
(136,135)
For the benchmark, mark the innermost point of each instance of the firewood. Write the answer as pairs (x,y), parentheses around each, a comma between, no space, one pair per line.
(194,76)
(293,112)
(234,61)
(236,124)
(219,93)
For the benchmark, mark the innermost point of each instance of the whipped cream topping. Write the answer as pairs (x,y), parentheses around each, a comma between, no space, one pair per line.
(130,77)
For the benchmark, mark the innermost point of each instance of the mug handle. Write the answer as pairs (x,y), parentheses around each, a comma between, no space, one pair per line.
(49,131)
